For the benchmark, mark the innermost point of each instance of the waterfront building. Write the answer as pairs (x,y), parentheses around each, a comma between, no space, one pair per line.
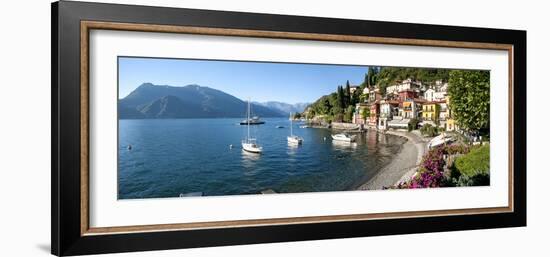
(388,109)
(429,95)
(374,95)
(374,114)
(434,113)
(352,89)
(430,111)
(404,85)
(443,114)
(359,115)
(440,91)
(366,91)
(411,108)
(407,94)
(439,96)
(398,122)
(450,123)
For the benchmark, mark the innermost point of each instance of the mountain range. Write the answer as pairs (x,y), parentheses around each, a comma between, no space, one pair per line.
(150,101)
(285,107)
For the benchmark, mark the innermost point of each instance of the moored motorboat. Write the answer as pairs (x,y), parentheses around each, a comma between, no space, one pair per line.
(344,137)
(252,121)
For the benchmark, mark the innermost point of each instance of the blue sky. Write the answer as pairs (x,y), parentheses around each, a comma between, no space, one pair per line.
(259,81)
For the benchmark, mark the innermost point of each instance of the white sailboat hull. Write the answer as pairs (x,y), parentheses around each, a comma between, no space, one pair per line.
(251,147)
(249,144)
(294,139)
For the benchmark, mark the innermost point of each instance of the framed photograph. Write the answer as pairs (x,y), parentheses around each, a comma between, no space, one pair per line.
(178,128)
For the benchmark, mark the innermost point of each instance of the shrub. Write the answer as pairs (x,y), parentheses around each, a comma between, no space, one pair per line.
(429,130)
(473,163)
(457,149)
(413,124)
(479,179)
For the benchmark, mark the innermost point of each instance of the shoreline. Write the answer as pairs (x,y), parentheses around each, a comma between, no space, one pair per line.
(403,166)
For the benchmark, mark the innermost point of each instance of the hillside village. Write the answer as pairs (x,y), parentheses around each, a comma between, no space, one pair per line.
(405,102)
(439,103)
(408,98)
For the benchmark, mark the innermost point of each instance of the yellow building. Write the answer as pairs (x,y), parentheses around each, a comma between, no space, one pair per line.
(451,125)
(450,122)
(430,111)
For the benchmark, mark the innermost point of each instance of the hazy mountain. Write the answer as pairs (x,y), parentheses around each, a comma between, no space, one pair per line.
(284,107)
(192,101)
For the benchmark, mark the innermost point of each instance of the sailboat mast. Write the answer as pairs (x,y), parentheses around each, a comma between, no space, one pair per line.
(248,122)
(291,124)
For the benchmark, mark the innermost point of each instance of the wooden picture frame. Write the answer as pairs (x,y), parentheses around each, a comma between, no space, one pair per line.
(71,25)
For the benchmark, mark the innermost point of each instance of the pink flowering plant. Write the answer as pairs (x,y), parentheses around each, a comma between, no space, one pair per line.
(431,172)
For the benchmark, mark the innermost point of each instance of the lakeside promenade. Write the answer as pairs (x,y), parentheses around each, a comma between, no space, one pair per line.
(403,166)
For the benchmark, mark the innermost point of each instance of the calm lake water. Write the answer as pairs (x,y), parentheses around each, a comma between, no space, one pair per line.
(170,157)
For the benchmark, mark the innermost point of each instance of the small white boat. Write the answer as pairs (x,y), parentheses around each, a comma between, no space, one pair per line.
(344,137)
(249,144)
(293,139)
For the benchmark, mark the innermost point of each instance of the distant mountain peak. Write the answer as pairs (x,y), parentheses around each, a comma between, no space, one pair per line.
(194,86)
(285,108)
(190,101)
(146,84)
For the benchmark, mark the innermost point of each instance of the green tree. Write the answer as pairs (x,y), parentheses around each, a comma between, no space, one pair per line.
(348,116)
(437,112)
(337,113)
(469,99)
(347,96)
(365,81)
(356,97)
(340,97)
(372,76)
(365,113)
(413,124)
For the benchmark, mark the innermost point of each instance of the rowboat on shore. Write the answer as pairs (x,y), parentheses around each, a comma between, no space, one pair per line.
(344,137)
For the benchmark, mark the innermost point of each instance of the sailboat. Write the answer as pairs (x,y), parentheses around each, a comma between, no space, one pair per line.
(292,138)
(249,144)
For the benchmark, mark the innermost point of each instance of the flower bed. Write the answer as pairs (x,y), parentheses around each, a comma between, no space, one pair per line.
(431,172)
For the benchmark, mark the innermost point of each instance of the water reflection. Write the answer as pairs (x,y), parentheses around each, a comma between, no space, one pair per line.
(343,145)
(249,160)
(292,147)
